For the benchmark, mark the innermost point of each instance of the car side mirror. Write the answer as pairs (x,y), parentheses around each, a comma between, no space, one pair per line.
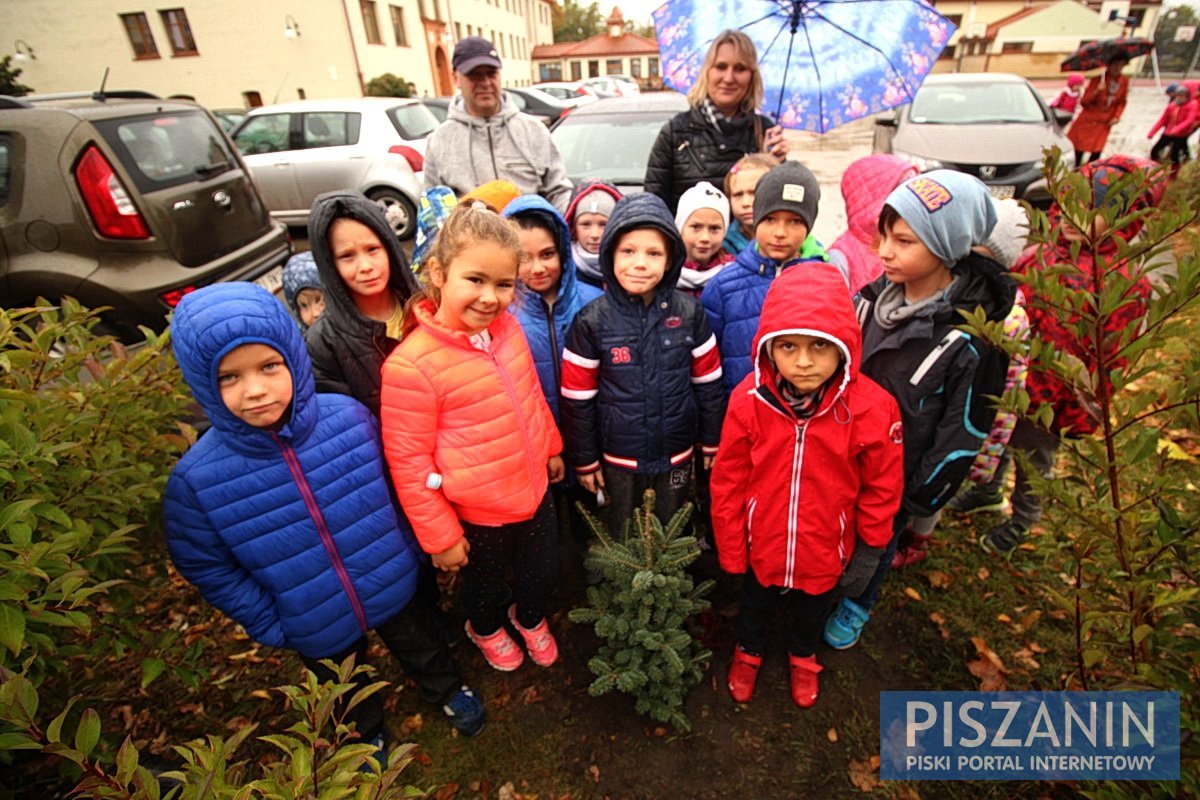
(1062,116)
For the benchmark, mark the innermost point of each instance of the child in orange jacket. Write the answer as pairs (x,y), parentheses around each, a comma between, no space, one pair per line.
(470,442)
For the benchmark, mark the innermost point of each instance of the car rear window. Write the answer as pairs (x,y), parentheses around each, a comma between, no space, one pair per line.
(168,149)
(413,121)
(975,104)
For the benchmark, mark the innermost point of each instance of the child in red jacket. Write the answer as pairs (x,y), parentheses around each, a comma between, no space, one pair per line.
(811,463)
(1176,123)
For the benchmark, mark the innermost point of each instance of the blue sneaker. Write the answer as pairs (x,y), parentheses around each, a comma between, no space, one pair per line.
(465,712)
(845,625)
(380,755)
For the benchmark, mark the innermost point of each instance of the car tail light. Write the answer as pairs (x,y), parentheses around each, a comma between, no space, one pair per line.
(173,297)
(564,112)
(414,159)
(111,208)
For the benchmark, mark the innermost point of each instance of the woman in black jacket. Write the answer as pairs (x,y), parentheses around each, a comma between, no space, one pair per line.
(702,143)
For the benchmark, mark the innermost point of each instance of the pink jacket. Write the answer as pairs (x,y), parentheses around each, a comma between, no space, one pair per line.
(865,185)
(1176,120)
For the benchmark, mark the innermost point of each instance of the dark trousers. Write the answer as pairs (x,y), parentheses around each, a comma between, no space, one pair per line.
(530,547)
(806,616)
(870,595)
(414,638)
(1170,150)
(1040,447)
(1084,157)
(625,490)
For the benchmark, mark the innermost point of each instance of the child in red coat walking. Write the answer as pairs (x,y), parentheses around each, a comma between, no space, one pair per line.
(811,463)
(1176,123)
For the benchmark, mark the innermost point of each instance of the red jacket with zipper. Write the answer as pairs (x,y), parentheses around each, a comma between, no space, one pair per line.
(478,419)
(791,497)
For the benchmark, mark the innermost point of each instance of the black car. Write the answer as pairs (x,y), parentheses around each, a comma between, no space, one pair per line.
(611,138)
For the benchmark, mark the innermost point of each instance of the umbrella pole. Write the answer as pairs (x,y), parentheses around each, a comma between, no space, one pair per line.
(787,63)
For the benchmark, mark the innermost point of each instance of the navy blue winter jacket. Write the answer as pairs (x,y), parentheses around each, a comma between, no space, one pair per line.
(546,326)
(291,533)
(641,383)
(733,301)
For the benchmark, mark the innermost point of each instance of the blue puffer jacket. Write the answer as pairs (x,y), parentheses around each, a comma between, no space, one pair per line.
(292,533)
(641,383)
(733,301)
(545,326)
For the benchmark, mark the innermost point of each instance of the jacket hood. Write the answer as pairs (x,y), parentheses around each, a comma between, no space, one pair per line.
(209,323)
(865,185)
(332,206)
(533,205)
(1100,176)
(300,272)
(458,111)
(585,188)
(811,301)
(642,211)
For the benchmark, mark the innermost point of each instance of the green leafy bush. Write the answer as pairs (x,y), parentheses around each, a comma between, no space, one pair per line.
(388,85)
(640,610)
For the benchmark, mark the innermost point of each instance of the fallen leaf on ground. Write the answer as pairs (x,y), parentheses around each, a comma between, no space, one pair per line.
(863,775)
(984,573)
(938,579)
(447,792)
(912,593)
(1003,618)
(832,734)
(594,773)
(531,695)
(988,668)
(1025,658)
(940,621)
(413,724)
(261,694)
(237,723)
(1035,647)
(1029,620)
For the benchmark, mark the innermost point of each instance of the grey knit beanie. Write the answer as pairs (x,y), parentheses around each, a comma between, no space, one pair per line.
(949,211)
(789,187)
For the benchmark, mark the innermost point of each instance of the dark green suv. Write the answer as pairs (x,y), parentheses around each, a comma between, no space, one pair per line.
(128,202)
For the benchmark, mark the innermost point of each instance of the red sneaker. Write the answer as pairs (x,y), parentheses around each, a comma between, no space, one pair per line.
(743,674)
(914,548)
(804,680)
(538,639)
(499,649)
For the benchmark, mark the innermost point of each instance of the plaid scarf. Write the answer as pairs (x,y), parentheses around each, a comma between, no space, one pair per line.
(803,405)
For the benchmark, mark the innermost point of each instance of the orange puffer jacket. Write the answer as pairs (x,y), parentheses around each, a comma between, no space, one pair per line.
(476,419)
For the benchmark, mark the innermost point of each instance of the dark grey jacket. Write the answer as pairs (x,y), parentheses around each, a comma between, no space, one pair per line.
(348,348)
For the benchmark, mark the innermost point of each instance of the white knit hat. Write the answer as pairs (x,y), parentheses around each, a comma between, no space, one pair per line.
(1007,239)
(702,195)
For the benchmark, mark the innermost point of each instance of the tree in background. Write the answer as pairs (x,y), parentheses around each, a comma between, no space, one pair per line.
(574,22)
(388,85)
(8,79)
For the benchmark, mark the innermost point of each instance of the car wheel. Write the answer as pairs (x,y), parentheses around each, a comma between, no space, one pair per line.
(399,210)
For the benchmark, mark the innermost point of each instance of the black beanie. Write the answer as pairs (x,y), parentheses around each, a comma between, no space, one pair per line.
(788,187)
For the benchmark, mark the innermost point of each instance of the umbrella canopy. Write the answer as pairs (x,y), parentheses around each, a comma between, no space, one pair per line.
(1097,54)
(824,62)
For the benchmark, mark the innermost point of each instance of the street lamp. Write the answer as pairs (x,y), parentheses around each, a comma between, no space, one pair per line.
(291,28)
(23,51)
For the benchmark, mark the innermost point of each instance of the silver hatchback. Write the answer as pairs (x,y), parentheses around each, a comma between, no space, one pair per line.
(375,145)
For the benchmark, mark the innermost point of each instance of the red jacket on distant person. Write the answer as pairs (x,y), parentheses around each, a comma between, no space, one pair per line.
(1101,110)
(790,496)
(1178,119)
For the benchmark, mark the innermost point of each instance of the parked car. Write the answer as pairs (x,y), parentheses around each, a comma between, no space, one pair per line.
(545,106)
(990,125)
(128,201)
(611,138)
(375,145)
(564,90)
(438,106)
(612,86)
(228,117)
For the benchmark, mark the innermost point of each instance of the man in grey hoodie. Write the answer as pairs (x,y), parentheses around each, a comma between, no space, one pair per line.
(485,137)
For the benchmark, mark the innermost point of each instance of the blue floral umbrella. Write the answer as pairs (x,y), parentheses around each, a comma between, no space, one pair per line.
(824,62)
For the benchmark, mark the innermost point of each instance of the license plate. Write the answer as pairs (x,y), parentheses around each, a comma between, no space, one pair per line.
(1002,192)
(272,281)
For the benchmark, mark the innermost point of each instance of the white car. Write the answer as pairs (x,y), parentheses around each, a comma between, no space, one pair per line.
(564,90)
(612,86)
(375,145)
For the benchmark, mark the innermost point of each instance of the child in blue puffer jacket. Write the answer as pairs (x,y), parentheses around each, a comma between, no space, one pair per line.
(785,208)
(281,514)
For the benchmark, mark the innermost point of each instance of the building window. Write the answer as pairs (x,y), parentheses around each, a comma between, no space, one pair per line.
(458,32)
(652,67)
(503,54)
(954,19)
(252,99)
(593,69)
(370,21)
(612,66)
(576,71)
(1016,47)
(398,26)
(137,28)
(635,68)
(179,32)
(550,72)
(948,53)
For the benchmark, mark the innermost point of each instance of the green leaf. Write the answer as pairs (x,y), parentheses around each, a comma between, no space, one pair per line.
(88,732)
(151,669)
(16,740)
(54,729)
(127,761)
(1141,632)
(12,627)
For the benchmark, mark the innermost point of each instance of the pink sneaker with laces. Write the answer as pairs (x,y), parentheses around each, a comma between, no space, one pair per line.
(538,639)
(499,649)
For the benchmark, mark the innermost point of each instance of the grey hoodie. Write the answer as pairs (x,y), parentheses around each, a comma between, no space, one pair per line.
(468,151)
